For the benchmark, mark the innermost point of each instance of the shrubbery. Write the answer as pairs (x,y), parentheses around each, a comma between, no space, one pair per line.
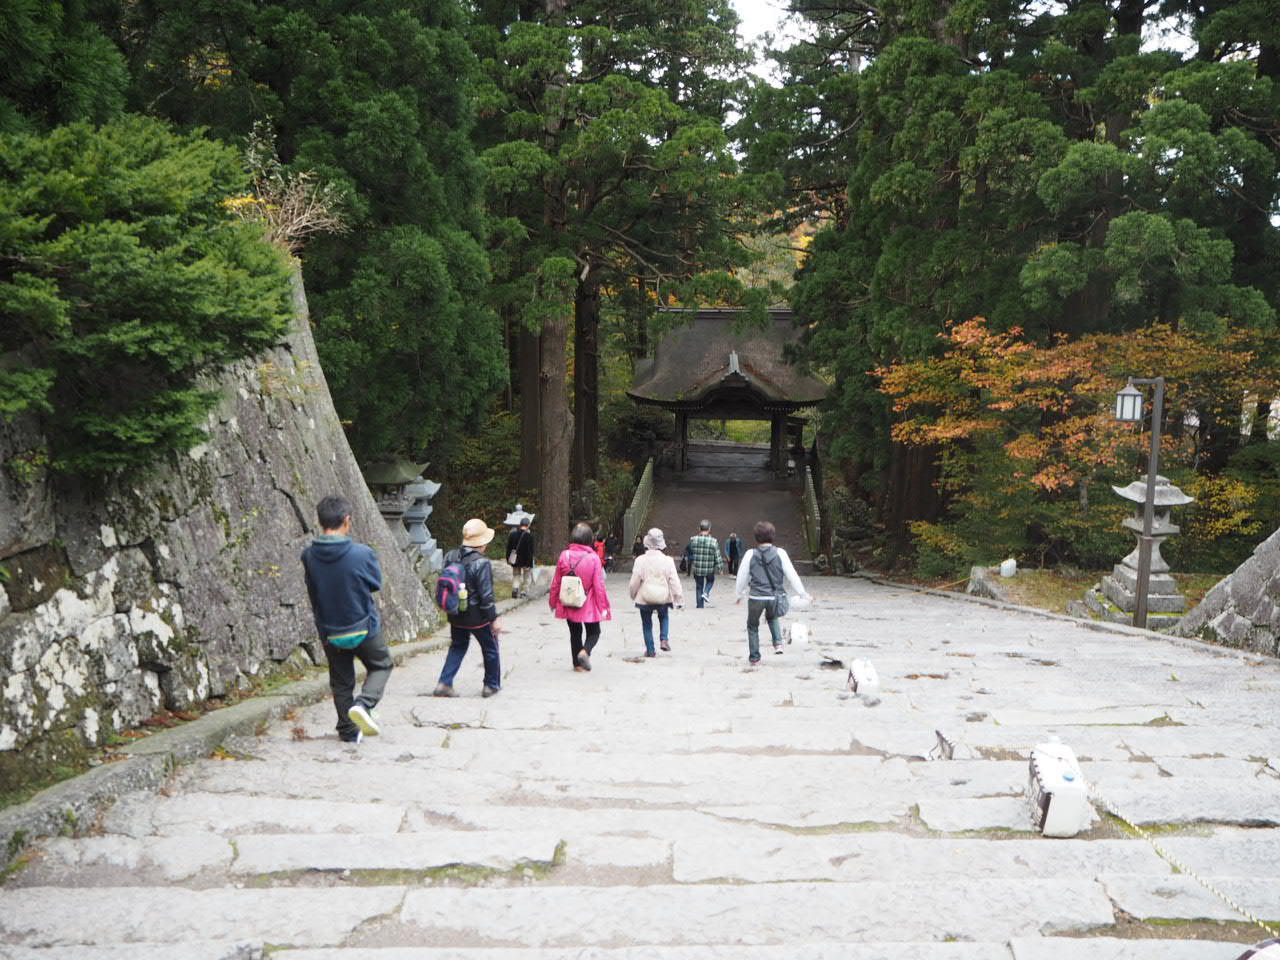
(123,279)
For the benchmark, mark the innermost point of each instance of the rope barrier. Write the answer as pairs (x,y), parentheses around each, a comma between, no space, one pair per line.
(1178,864)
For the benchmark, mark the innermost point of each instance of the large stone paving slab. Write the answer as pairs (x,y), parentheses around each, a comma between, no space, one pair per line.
(205,950)
(496,850)
(154,858)
(56,916)
(765,913)
(1180,897)
(1249,801)
(791,951)
(860,857)
(1108,948)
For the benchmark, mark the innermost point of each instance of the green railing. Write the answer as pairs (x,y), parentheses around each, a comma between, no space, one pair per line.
(812,516)
(633,519)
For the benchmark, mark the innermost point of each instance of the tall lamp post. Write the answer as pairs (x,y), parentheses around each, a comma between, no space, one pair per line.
(1129,410)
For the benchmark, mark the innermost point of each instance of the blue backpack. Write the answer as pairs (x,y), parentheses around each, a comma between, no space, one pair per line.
(451,588)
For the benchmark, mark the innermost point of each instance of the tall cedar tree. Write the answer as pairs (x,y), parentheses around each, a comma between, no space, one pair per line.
(57,66)
(1031,164)
(609,167)
(371,95)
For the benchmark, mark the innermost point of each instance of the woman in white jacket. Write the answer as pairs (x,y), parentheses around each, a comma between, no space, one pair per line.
(655,586)
(762,575)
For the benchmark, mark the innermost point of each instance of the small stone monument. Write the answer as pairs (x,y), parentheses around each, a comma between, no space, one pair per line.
(404,500)
(1116,597)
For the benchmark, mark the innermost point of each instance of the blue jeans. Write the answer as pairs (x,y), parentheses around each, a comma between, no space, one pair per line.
(647,611)
(754,609)
(375,656)
(460,638)
(703,585)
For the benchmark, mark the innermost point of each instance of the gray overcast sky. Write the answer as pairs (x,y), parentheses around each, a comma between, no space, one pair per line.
(759,16)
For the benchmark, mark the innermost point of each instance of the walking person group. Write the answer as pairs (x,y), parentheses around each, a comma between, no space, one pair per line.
(342,576)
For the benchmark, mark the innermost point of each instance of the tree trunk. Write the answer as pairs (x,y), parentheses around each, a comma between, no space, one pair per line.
(586,381)
(1220,438)
(529,366)
(910,491)
(556,435)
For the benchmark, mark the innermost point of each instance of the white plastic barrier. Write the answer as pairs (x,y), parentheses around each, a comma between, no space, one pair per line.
(863,679)
(1057,791)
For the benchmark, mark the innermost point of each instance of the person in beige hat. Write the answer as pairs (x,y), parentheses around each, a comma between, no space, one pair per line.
(655,587)
(480,618)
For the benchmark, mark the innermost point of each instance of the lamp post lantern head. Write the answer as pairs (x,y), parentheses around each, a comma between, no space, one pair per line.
(1129,404)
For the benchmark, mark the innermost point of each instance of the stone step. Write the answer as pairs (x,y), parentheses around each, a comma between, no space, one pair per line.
(67,917)
(665,915)
(686,847)
(126,861)
(1180,897)
(1024,948)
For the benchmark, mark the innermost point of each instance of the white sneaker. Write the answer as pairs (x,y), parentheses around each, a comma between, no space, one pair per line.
(706,601)
(362,718)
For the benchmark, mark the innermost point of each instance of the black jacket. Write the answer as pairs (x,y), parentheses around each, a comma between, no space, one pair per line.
(482,608)
(521,541)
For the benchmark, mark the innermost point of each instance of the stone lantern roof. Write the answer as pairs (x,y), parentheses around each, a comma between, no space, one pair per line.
(1166,494)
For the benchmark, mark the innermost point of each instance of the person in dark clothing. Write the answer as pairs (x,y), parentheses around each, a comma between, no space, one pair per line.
(341,578)
(733,552)
(637,548)
(480,619)
(520,556)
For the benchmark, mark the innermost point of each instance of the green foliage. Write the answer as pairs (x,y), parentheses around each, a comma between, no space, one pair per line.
(373,98)
(1232,513)
(123,280)
(1047,170)
(631,432)
(58,66)
(607,157)
(482,481)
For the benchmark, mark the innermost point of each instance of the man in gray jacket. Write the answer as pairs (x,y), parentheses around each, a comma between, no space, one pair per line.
(762,575)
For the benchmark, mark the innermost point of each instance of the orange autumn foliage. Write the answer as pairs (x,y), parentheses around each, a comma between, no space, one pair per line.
(1050,407)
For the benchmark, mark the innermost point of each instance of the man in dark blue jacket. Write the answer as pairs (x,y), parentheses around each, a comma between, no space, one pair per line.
(480,619)
(341,578)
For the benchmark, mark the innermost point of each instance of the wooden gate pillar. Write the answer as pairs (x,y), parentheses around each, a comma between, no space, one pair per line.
(777,454)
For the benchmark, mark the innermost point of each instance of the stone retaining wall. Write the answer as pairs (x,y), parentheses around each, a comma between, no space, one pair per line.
(1244,609)
(157,591)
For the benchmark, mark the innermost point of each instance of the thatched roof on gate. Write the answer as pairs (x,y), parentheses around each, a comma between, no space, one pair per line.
(709,360)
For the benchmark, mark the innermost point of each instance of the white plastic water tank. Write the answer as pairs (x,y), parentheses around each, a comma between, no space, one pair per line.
(863,678)
(1057,791)
(1009,568)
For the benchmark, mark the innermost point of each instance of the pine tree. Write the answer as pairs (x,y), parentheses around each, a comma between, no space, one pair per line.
(1037,166)
(372,97)
(56,66)
(609,166)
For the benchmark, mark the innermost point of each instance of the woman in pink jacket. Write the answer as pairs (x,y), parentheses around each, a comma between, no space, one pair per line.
(655,588)
(580,558)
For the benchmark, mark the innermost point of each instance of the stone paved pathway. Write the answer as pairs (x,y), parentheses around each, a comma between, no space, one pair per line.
(730,485)
(685,808)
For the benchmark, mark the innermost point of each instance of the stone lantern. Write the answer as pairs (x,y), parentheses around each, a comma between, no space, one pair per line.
(516,516)
(404,500)
(1164,603)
